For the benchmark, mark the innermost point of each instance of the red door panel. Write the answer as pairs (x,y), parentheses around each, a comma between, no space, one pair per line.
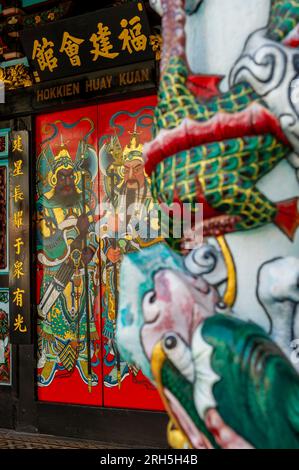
(78,361)
(126,125)
(69,362)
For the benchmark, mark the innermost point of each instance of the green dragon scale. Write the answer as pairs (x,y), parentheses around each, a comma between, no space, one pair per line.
(222,173)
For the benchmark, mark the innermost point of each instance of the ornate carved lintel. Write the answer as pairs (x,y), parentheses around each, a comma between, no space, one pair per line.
(16,76)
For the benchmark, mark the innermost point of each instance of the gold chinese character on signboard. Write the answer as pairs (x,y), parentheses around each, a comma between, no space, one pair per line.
(18,269)
(18,297)
(44,53)
(101,43)
(19,243)
(156,43)
(18,194)
(19,324)
(132,36)
(18,219)
(70,45)
(17,144)
(18,168)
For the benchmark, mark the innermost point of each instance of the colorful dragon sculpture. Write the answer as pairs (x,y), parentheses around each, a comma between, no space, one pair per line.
(213,148)
(221,378)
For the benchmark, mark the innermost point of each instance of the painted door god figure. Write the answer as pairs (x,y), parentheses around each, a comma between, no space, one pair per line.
(67,251)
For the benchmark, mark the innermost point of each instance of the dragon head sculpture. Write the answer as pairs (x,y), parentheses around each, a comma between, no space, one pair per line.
(212,329)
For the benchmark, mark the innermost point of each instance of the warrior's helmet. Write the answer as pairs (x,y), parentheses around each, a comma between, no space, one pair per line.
(62,161)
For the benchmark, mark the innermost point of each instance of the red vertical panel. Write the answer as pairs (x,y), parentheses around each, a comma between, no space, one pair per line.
(62,338)
(124,386)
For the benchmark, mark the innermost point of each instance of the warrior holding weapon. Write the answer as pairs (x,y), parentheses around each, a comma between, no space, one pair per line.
(66,247)
(124,227)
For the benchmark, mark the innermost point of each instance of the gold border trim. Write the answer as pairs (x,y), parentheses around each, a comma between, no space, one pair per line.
(158,359)
(231,289)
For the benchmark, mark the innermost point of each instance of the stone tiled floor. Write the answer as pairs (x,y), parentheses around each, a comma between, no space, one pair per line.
(14,440)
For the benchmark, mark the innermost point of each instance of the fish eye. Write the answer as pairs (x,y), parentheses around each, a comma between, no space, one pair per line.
(170,341)
(153,298)
(221,306)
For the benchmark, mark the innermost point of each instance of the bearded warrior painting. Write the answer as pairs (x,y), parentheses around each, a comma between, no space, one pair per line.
(124,228)
(67,245)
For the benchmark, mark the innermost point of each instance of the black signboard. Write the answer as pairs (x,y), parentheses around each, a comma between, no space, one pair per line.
(94,85)
(96,41)
(19,260)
